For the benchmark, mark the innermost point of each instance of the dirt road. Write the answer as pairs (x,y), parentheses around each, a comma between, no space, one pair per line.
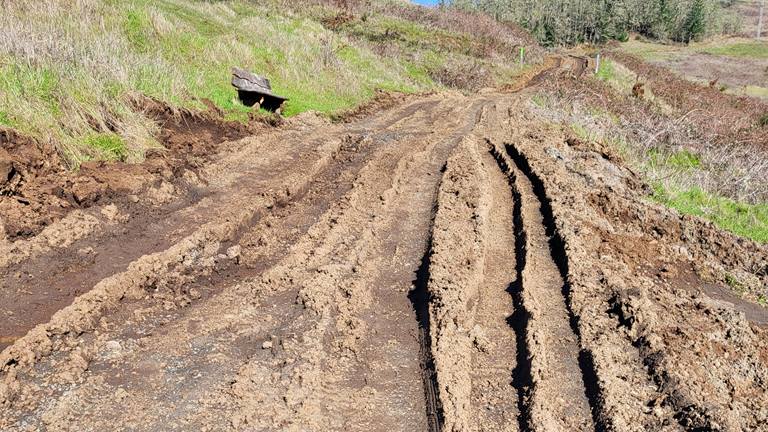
(449,264)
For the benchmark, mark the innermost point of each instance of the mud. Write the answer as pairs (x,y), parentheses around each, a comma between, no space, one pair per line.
(445,263)
(37,187)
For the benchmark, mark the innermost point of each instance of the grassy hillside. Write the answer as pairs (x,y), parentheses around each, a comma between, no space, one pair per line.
(69,71)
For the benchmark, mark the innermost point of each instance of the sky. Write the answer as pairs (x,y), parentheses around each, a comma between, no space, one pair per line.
(426,2)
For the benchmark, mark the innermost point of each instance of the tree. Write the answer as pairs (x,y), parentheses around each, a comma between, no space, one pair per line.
(562,22)
(695,22)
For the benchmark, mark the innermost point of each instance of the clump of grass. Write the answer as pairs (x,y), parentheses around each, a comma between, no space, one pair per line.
(5,119)
(606,71)
(677,160)
(109,145)
(763,122)
(746,220)
(762,300)
(735,284)
(539,100)
(585,133)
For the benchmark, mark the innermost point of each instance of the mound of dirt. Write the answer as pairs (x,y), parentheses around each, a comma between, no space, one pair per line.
(25,189)
(37,188)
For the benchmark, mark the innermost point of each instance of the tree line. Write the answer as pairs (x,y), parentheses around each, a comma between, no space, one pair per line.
(567,22)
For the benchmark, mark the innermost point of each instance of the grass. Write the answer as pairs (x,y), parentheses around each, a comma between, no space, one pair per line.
(750,221)
(686,180)
(678,160)
(622,79)
(111,145)
(746,90)
(651,51)
(740,48)
(606,71)
(754,50)
(66,69)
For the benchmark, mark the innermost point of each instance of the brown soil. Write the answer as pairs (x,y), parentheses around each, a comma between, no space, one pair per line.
(450,263)
(37,188)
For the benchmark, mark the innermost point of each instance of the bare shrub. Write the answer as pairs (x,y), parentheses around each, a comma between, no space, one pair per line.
(730,167)
(462,75)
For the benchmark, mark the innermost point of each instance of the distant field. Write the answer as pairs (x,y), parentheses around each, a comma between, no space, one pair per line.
(739,65)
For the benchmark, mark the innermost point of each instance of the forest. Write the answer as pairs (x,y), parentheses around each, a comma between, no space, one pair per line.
(567,22)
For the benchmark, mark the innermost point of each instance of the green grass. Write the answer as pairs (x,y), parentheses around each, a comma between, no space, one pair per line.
(110,145)
(735,284)
(762,300)
(6,120)
(606,71)
(678,160)
(650,51)
(756,91)
(754,50)
(750,221)
(584,133)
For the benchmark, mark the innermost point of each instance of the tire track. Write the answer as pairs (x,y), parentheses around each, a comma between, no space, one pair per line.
(563,393)
(455,276)
(495,336)
(421,299)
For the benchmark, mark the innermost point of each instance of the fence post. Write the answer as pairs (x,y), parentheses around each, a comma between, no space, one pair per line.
(597,64)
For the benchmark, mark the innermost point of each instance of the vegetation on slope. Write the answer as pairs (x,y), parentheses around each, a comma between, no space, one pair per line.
(70,72)
(710,163)
(559,22)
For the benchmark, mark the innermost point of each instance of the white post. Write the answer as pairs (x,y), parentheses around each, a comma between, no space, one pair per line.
(597,64)
(760,20)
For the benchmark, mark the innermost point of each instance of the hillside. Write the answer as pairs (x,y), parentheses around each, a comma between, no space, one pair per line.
(75,74)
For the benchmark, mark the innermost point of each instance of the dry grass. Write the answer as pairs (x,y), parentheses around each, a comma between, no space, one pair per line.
(721,176)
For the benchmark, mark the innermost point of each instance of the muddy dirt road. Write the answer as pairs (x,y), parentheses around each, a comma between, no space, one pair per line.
(449,264)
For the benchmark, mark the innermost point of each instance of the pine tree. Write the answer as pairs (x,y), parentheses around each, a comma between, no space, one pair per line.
(695,22)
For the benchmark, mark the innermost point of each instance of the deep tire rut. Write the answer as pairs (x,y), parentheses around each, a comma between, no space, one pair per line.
(562,395)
